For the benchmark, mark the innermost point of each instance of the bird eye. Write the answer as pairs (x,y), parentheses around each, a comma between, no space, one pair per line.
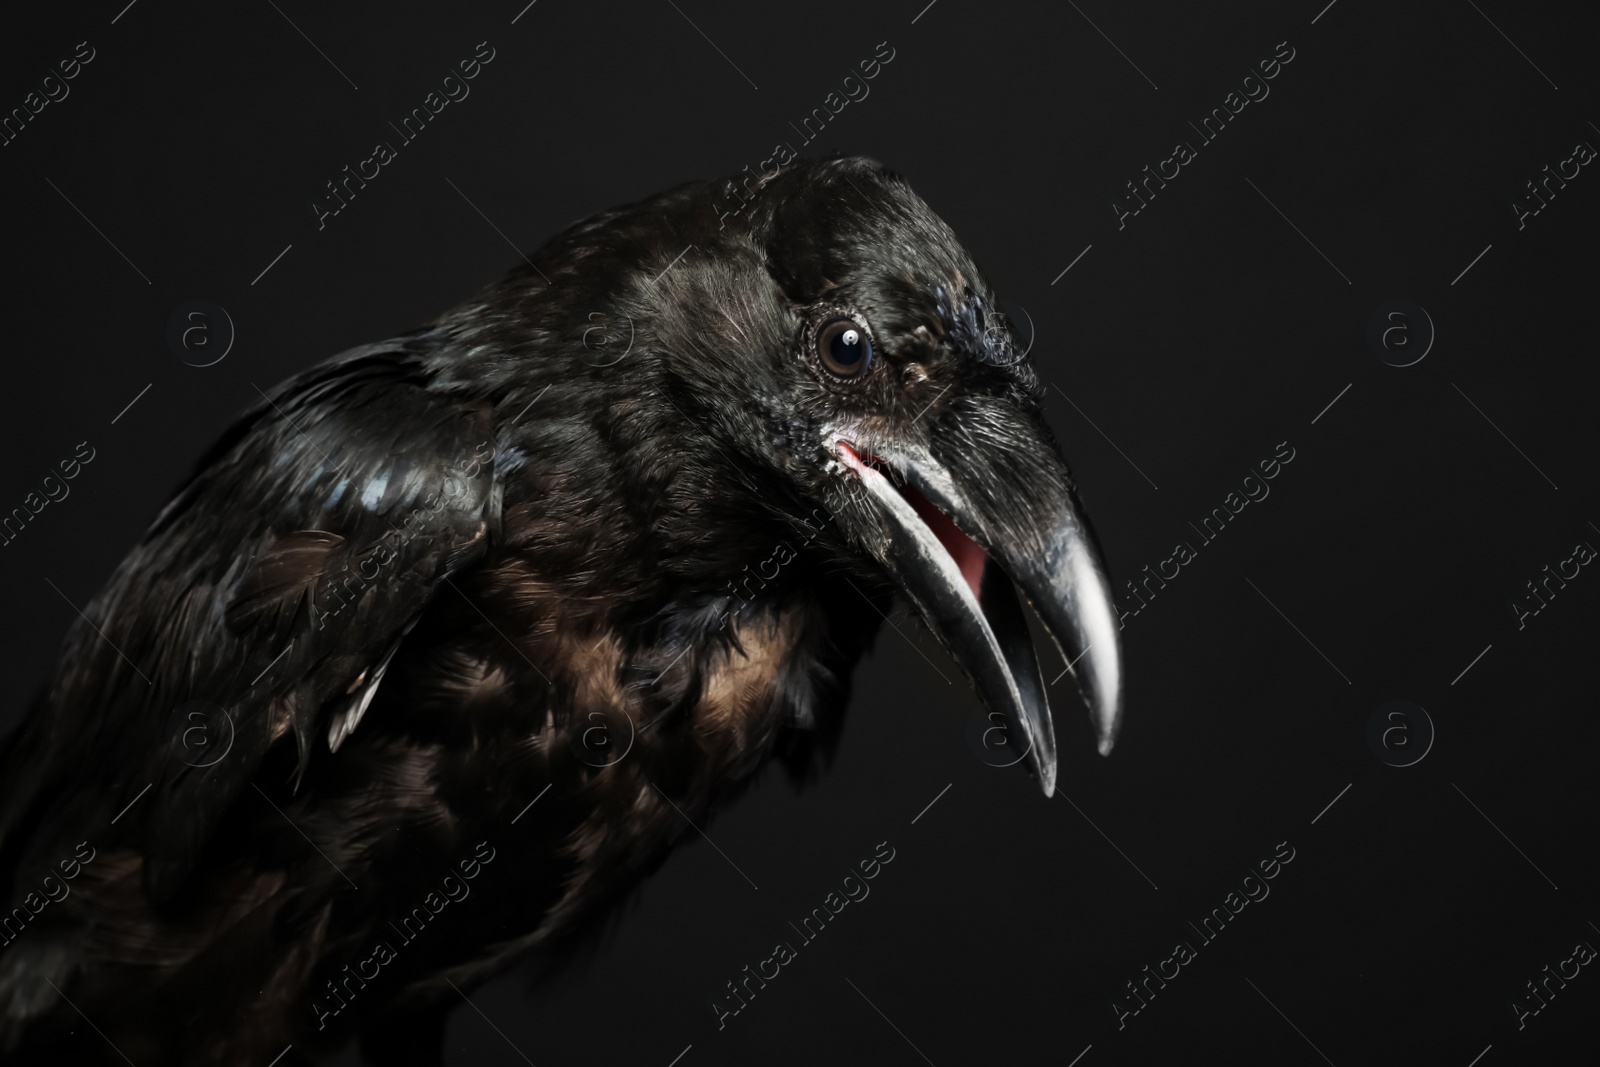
(843,347)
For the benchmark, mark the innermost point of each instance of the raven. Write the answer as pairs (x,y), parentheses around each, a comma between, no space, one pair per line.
(585,553)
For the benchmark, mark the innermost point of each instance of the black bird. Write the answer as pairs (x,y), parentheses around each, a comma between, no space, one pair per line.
(608,537)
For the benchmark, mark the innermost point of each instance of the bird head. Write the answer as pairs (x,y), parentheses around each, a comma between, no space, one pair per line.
(827,338)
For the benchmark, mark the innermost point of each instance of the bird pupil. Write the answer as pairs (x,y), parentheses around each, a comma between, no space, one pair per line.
(847,347)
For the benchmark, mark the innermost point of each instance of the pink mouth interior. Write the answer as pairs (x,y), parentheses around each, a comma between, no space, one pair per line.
(963,549)
(969,558)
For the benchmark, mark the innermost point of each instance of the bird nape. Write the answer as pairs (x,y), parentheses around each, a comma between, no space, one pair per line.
(581,555)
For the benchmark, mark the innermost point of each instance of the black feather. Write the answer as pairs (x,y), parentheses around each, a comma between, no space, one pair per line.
(441,556)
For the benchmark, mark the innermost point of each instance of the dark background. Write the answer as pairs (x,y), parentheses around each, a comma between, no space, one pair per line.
(1197,338)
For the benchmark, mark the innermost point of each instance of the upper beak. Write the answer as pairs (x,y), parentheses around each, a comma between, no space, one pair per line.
(961,534)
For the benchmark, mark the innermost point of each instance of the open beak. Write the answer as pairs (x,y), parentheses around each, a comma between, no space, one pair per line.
(961,537)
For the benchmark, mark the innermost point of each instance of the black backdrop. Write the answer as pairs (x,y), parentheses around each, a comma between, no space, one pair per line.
(1185,344)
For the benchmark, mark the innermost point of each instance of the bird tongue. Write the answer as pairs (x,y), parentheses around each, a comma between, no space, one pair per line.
(963,549)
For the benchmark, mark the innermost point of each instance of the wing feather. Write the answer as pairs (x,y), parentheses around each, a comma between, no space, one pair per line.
(276,586)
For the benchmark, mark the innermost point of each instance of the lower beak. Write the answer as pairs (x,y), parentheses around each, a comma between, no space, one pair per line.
(962,569)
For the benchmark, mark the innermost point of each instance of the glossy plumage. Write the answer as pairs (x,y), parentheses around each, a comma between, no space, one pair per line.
(415,581)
